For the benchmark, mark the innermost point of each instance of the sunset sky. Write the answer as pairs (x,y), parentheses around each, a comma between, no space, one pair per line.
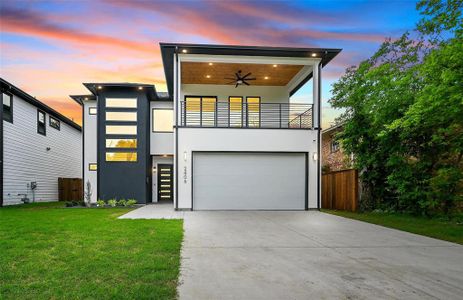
(48,48)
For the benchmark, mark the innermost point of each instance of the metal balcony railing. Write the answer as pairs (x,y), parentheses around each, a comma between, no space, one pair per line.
(245,115)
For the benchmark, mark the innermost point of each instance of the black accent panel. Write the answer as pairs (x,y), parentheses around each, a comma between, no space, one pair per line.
(124,180)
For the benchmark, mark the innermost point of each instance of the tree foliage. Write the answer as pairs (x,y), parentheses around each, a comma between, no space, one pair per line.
(404,115)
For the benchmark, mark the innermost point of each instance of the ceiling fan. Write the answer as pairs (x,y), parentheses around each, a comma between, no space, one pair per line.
(239,79)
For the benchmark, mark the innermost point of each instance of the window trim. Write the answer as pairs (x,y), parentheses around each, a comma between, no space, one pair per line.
(90,167)
(89,110)
(121,161)
(200,110)
(44,133)
(109,138)
(258,112)
(58,127)
(10,119)
(152,120)
(333,140)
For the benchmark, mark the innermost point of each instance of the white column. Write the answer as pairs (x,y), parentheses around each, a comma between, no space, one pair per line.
(317,106)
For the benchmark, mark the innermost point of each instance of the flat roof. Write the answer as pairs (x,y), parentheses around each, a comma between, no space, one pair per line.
(168,50)
(8,87)
(93,87)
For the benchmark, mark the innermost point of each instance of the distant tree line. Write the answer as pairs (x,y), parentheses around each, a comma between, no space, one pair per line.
(403,115)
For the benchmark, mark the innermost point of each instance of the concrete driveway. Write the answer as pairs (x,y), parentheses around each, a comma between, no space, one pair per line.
(312,255)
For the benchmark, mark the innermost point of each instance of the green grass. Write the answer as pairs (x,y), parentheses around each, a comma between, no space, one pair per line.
(439,228)
(50,252)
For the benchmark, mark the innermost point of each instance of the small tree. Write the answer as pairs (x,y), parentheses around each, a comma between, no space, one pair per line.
(88,193)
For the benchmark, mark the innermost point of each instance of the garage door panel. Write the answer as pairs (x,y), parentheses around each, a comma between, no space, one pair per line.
(248,181)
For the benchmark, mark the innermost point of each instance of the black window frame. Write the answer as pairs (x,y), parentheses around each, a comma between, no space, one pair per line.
(57,127)
(44,133)
(8,116)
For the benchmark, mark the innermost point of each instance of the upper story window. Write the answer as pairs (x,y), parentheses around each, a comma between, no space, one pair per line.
(121,116)
(334,145)
(121,102)
(55,123)
(92,110)
(253,109)
(235,111)
(121,129)
(7,107)
(41,128)
(163,120)
(200,111)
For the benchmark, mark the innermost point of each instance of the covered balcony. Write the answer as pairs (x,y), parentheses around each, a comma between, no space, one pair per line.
(249,113)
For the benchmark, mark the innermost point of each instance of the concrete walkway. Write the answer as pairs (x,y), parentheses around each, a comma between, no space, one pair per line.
(312,255)
(154,211)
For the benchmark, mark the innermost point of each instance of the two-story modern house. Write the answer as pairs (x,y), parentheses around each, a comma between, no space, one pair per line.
(37,146)
(226,136)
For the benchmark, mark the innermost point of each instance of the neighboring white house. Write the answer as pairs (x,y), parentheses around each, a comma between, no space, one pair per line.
(38,145)
(227,136)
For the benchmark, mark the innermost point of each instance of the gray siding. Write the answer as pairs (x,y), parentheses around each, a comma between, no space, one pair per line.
(26,157)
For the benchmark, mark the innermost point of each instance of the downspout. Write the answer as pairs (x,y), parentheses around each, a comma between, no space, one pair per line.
(319,170)
(175,92)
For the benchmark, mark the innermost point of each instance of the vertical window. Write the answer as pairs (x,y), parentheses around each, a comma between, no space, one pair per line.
(92,167)
(55,123)
(7,100)
(253,109)
(163,120)
(41,128)
(334,145)
(92,110)
(235,111)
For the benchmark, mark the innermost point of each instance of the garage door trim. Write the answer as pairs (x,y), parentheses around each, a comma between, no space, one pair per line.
(306,181)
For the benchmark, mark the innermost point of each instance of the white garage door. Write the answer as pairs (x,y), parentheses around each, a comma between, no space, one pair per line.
(249,181)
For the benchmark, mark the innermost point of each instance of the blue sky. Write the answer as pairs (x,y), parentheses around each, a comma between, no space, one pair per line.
(48,48)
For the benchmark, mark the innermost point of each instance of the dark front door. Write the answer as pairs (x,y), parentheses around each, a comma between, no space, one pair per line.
(165,183)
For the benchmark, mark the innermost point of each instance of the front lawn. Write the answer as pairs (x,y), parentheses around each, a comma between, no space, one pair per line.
(50,252)
(439,228)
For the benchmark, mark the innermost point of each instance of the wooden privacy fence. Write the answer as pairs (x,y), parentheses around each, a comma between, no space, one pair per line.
(70,189)
(340,190)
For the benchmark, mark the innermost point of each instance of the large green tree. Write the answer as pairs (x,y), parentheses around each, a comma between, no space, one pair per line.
(404,115)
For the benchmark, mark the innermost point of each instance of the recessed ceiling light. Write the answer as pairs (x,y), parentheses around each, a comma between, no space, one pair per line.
(184,51)
(86,98)
(275,66)
(210,64)
(140,87)
(100,87)
(266,77)
(208,76)
(314,54)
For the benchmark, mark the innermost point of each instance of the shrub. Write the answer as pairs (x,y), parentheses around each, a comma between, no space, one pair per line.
(101,203)
(112,202)
(130,202)
(68,204)
(122,202)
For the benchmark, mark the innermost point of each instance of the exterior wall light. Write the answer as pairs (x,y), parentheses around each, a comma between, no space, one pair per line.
(185,156)
(315,156)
